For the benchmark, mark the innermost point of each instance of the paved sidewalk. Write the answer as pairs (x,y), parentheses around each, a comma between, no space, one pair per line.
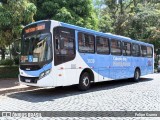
(12,85)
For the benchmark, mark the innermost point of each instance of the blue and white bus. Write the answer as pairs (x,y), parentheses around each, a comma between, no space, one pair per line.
(55,54)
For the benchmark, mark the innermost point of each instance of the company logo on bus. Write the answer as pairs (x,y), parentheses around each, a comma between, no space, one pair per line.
(36,28)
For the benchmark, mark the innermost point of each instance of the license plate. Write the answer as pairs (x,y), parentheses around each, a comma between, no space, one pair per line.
(27,80)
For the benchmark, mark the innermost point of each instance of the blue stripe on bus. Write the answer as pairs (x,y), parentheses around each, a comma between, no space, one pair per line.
(117,67)
(36,73)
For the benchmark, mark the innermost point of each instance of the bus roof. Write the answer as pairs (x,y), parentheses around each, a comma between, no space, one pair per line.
(38,22)
(109,35)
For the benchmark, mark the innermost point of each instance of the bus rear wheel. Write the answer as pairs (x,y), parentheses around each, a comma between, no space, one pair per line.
(136,75)
(84,82)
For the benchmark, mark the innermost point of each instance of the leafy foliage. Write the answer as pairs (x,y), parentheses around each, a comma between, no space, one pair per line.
(10,71)
(78,12)
(14,14)
(6,62)
(136,19)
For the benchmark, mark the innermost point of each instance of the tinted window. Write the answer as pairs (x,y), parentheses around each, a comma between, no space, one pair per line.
(115,47)
(64,44)
(64,41)
(143,51)
(102,45)
(149,52)
(135,50)
(86,42)
(39,46)
(126,49)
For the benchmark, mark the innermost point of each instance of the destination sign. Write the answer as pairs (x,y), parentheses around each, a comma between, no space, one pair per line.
(35,28)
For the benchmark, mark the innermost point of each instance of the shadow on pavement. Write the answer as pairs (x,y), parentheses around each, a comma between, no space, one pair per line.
(42,95)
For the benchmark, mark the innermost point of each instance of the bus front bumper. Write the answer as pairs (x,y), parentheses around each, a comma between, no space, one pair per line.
(35,81)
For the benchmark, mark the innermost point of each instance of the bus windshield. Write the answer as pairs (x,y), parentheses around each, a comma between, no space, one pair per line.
(36,48)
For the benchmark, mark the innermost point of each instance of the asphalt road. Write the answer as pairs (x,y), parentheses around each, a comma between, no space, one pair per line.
(122,95)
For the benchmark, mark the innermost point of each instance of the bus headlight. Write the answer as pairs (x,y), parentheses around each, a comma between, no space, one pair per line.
(47,72)
(43,74)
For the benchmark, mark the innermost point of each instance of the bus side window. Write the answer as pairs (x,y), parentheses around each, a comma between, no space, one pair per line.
(102,45)
(143,51)
(135,50)
(64,41)
(126,49)
(149,52)
(115,47)
(86,43)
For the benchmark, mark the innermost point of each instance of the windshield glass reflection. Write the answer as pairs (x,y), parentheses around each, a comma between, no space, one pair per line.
(36,48)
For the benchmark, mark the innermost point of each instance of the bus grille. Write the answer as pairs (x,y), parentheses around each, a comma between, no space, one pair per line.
(30,67)
(29,79)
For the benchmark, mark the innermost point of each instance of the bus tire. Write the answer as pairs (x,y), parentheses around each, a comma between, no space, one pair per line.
(136,75)
(84,82)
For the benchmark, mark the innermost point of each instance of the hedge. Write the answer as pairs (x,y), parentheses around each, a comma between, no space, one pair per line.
(9,72)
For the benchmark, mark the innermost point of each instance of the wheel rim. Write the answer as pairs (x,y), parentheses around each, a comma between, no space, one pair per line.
(86,81)
(137,75)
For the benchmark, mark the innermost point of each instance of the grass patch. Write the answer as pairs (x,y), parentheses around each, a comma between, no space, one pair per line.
(9,72)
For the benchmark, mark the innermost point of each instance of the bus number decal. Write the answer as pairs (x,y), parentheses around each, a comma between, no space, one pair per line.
(90,61)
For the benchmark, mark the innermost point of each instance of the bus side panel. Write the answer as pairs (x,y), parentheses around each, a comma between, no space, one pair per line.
(66,73)
(69,73)
(148,63)
(103,65)
(117,70)
(135,63)
(127,66)
(143,65)
(89,61)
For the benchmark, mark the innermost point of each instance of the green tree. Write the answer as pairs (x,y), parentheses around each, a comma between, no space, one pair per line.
(144,23)
(13,15)
(78,12)
(133,18)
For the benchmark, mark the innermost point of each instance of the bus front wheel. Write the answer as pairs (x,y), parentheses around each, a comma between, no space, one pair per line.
(136,75)
(84,82)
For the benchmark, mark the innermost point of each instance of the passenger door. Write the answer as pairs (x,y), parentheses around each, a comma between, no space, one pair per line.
(127,59)
(103,58)
(116,69)
(64,55)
